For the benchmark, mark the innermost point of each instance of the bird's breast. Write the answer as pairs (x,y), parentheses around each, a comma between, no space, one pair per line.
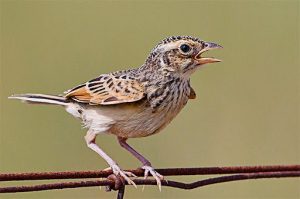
(155,113)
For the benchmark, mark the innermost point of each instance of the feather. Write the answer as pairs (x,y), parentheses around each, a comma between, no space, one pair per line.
(40,99)
(108,89)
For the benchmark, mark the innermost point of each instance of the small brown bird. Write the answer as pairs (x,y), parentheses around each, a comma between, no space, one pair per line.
(136,102)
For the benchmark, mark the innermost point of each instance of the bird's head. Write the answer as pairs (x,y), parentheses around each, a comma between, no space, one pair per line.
(181,55)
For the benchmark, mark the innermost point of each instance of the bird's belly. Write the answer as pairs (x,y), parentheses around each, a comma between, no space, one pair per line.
(144,122)
(129,120)
(140,125)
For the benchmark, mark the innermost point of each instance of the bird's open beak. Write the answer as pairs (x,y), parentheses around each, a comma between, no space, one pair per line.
(205,60)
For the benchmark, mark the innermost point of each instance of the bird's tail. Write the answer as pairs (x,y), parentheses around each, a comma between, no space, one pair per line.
(41,99)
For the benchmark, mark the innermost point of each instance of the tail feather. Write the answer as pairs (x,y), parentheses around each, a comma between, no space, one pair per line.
(41,99)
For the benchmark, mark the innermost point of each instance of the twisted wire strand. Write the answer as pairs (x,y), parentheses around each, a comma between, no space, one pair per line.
(238,173)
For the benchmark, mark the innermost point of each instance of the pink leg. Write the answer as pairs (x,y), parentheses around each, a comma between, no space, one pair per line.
(146,164)
(90,139)
(126,146)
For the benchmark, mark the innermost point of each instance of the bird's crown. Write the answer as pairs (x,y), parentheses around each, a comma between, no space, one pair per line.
(177,38)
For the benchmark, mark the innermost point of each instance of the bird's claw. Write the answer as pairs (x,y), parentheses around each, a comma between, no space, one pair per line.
(130,174)
(158,177)
(125,174)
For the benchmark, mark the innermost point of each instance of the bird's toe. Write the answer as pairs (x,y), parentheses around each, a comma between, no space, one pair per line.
(158,177)
(125,174)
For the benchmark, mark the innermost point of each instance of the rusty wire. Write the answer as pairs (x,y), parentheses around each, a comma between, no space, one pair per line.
(140,172)
(237,173)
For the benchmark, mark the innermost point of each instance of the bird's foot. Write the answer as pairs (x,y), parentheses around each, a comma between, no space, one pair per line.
(156,175)
(125,174)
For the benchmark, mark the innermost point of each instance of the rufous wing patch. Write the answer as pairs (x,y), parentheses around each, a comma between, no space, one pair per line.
(108,89)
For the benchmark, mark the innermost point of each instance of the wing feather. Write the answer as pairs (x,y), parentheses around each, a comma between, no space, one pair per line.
(108,89)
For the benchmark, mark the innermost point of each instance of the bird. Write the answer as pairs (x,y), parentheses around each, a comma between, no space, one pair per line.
(137,102)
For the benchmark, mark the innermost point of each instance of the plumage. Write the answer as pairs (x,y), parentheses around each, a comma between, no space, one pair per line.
(108,89)
(41,99)
(136,102)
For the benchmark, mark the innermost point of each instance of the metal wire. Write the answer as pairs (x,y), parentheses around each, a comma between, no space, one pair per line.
(115,183)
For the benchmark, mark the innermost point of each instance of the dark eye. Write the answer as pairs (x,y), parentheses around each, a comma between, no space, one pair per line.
(185,48)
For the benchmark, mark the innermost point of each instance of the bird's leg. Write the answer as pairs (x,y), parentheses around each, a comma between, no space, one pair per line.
(146,164)
(90,139)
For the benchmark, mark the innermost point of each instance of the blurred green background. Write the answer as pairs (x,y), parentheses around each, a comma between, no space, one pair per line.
(247,108)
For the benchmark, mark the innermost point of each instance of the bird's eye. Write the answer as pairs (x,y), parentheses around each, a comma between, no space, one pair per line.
(185,48)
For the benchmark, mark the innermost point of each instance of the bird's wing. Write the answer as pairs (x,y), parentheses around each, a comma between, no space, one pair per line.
(114,88)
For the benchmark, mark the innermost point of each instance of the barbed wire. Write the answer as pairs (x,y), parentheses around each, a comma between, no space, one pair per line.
(116,183)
